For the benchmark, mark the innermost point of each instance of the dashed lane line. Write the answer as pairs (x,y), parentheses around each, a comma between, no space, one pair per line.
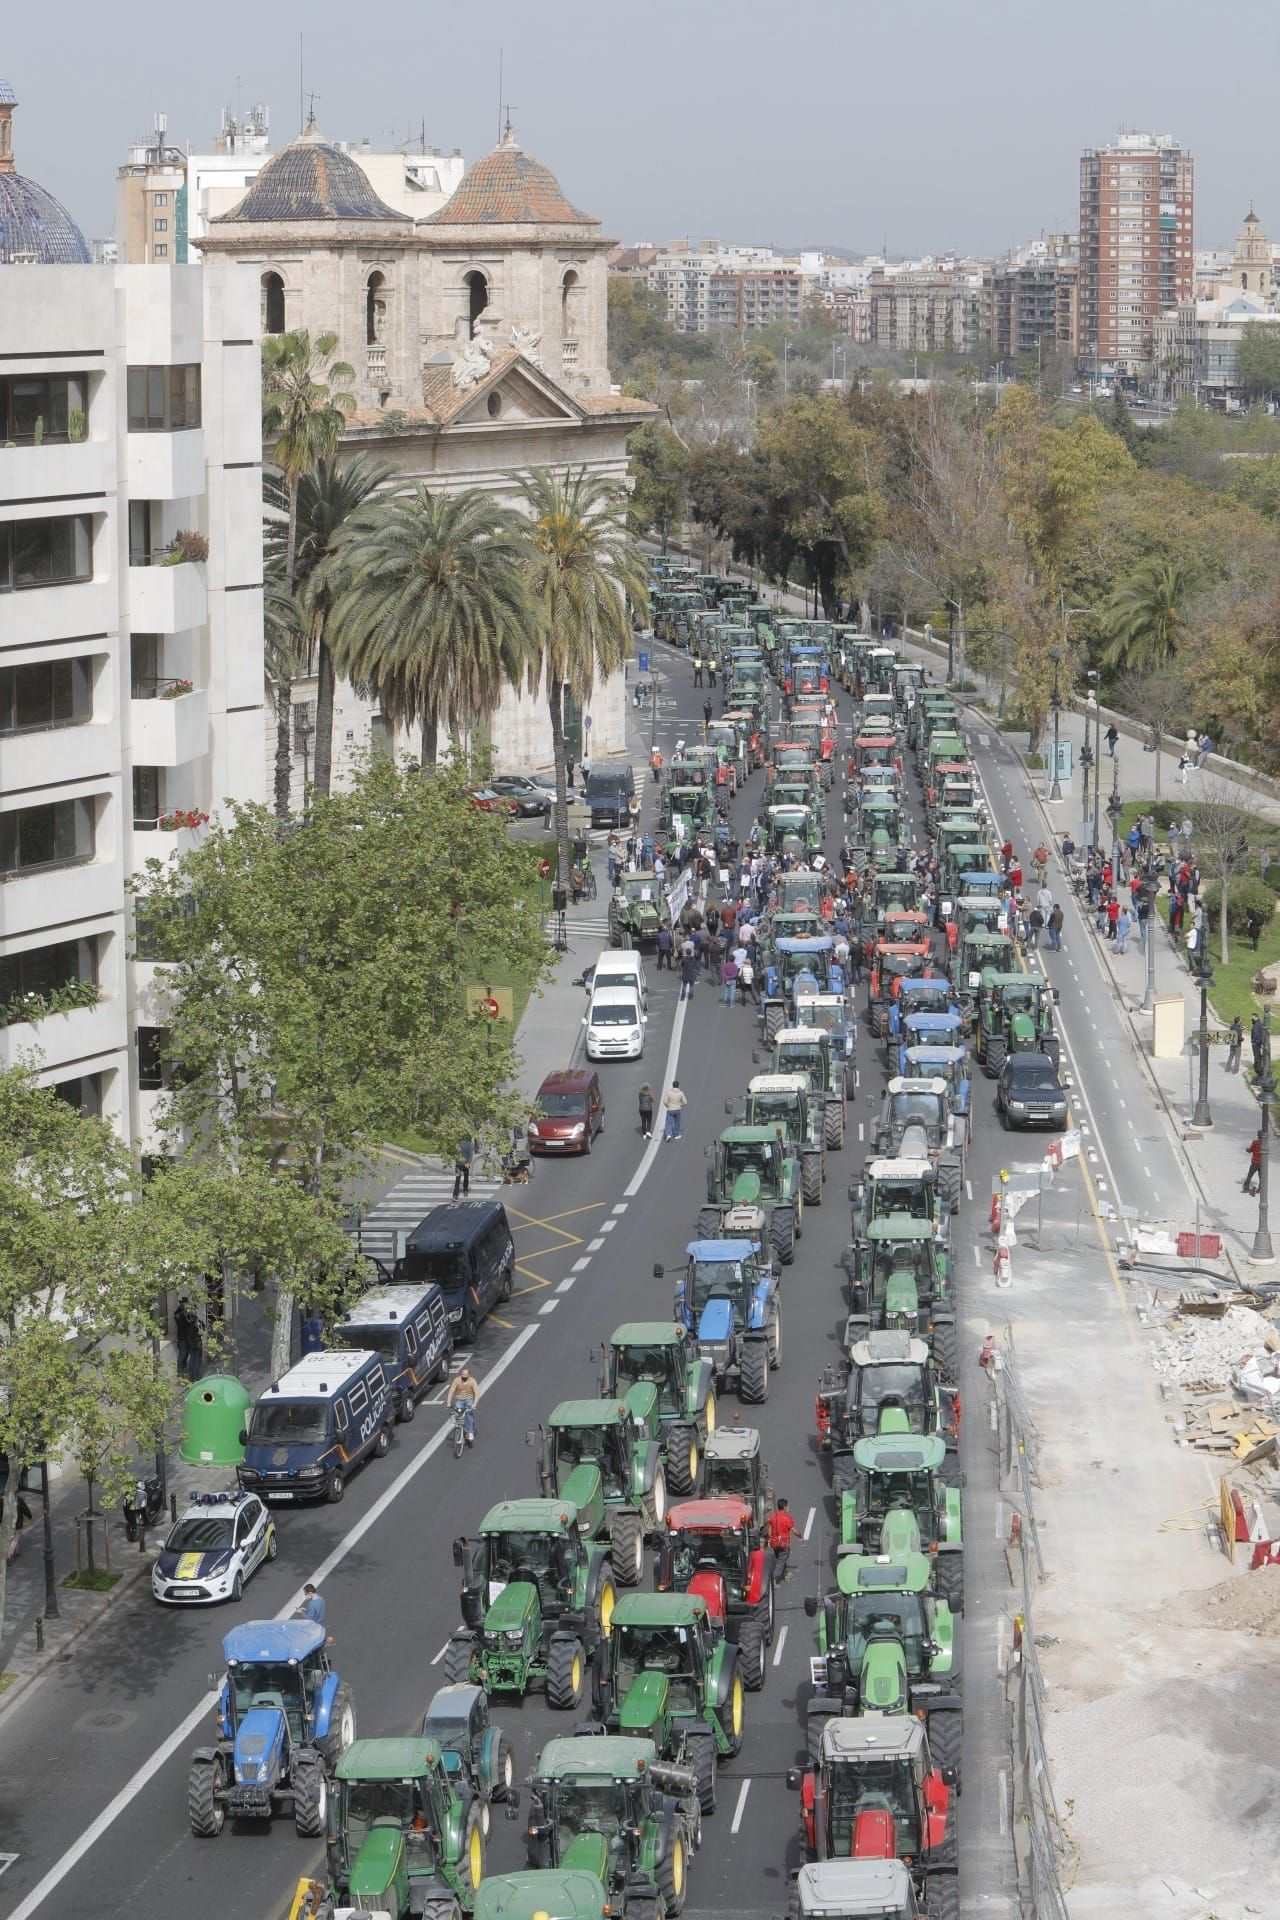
(580,1266)
(781,1643)
(566,1283)
(741,1807)
(594,1246)
(808,1525)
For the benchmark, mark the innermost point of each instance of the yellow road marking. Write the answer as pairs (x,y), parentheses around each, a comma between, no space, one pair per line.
(1126,1305)
(498,1321)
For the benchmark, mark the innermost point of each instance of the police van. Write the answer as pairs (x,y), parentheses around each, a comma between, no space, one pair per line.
(409,1327)
(465,1247)
(315,1424)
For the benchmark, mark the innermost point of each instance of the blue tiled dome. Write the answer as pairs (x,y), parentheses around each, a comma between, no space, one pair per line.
(35,229)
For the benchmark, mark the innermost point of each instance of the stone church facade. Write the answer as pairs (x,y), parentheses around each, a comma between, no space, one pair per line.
(479,339)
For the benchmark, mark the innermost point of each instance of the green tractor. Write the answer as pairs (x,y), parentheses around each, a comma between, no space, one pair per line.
(660,1354)
(888,1384)
(569,1894)
(754,1191)
(668,1675)
(903,1186)
(886,1643)
(636,910)
(1014,1015)
(609,1806)
(792,830)
(906,1473)
(810,1050)
(900,1279)
(784,1099)
(918,1122)
(609,1450)
(977,952)
(537,1596)
(401,1839)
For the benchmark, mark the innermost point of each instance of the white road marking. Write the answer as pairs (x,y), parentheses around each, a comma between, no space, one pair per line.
(199,1714)
(594,1246)
(548,1306)
(580,1265)
(862,1132)
(606,1226)
(668,1073)
(566,1283)
(808,1525)
(440,1656)
(977,1256)
(968,1188)
(621,1207)
(738,1811)
(777,1651)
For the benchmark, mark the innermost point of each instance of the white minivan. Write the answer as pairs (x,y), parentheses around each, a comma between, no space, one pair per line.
(615,1024)
(619,967)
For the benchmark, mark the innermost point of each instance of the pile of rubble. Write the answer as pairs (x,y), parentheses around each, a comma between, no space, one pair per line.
(1204,1352)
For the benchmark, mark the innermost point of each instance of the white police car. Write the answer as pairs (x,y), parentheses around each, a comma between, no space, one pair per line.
(212,1549)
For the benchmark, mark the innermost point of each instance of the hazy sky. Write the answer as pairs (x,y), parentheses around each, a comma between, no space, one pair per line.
(927,126)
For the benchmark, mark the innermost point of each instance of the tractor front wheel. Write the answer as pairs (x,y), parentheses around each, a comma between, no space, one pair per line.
(682,1459)
(701,1751)
(342,1727)
(753,1376)
(626,1548)
(811,1177)
(995,1054)
(457,1660)
(310,1797)
(673,1872)
(566,1673)
(204,1806)
(471,1862)
(751,1655)
(782,1231)
(708,1223)
(833,1123)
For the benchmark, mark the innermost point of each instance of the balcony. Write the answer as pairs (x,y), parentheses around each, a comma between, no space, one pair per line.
(167,725)
(62,896)
(59,756)
(84,1033)
(166,466)
(165,598)
(376,366)
(57,469)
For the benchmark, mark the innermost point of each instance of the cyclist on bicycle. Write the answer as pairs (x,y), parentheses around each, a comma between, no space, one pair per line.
(464,1390)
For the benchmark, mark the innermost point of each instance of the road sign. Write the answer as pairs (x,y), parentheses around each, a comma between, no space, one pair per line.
(489,1008)
(642,661)
(489,1003)
(586,721)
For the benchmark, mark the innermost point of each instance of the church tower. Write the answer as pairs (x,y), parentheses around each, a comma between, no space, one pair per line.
(1251,267)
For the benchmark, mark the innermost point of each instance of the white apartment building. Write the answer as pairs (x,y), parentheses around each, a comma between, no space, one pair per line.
(131,675)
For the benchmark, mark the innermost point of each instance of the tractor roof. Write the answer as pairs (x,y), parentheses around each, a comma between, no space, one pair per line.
(889,1347)
(647,1333)
(899,1169)
(936,1056)
(778,1083)
(932,1019)
(803,1036)
(392,1759)
(817,943)
(704,1250)
(531,1516)
(595,1756)
(880,1735)
(278,1641)
(925,983)
(568,1893)
(453,1702)
(659,1610)
(898,1226)
(587,1413)
(744,1136)
(900,1453)
(732,1443)
(708,1516)
(900,1085)
(885,1573)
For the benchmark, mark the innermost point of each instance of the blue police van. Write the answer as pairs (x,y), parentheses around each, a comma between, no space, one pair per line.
(409,1327)
(465,1248)
(315,1424)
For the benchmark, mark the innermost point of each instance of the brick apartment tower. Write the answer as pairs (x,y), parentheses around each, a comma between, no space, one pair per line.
(1137,260)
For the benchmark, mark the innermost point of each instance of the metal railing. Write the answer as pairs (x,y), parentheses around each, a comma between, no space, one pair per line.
(170,687)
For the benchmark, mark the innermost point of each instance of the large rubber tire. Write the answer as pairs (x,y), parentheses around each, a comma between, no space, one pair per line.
(471,1861)
(844,1475)
(820,1711)
(701,1755)
(751,1644)
(782,1232)
(950,1181)
(946,1350)
(950,1577)
(753,1379)
(658,1502)
(708,1223)
(626,1548)
(441,1910)
(995,1056)
(875,1019)
(204,1810)
(733,1719)
(773,1338)
(600,1607)
(833,1124)
(673,1873)
(310,1798)
(946,1732)
(504,1780)
(683,1459)
(457,1660)
(811,1177)
(342,1727)
(773,1019)
(566,1673)
(942,1891)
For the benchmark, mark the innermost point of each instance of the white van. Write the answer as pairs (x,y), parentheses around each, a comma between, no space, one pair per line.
(615,1024)
(619,967)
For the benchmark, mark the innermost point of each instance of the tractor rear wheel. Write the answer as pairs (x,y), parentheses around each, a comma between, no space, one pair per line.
(833,1123)
(875,1019)
(811,1176)
(751,1655)
(774,1338)
(471,1860)
(753,1376)
(950,1181)
(782,1231)
(701,1753)
(441,1910)
(945,1734)
(773,1018)
(733,1718)
(457,1660)
(943,1893)
(682,1459)
(204,1809)
(626,1548)
(950,1568)
(673,1870)
(708,1223)
(946,1349)
(844,1475)
(310,1796)
(504,1770)
(996,1051)
(566,1672)
(342,1727)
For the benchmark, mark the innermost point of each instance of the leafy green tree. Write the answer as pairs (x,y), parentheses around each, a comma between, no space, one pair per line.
(429,607)
(1258,360)
(316,982)
(304,411)
(659,466)
(818,472)
(1147,618)
(581,569)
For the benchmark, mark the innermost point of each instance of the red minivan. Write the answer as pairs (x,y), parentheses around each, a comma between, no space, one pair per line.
(567,1113)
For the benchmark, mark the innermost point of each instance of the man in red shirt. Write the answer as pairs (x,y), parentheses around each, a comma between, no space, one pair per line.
(1251,1180)
(781,1528)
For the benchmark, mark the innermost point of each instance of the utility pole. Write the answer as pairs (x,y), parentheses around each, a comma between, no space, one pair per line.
(1055,789)
(1201,1114)
(1262,1248)
(1092,678)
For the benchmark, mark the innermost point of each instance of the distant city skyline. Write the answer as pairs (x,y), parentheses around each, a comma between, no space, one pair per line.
(860,129)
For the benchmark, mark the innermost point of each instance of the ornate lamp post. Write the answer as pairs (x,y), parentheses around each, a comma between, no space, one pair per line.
(1092,677)
(1055,789)
(1201,1114)
(1262,1248)
(1086,765)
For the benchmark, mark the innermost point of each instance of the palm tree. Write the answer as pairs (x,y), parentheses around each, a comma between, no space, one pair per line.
(304,411)
(327,498)
(1147,617)
(583,566)
(429,607)
(282,623)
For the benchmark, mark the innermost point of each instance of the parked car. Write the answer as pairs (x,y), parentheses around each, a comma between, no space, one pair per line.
(1029,1092)
(487,801)
(531,799)
(568,1112)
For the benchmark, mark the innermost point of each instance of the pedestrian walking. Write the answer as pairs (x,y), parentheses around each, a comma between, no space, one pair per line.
(1254,1175)
(688,970)
(1035,927)
(1124,922)
(1112,737)
(655,763)
(1054,926)
(1040,861)
(186,1330)
(747,981)
(706,713)
(1235,1041)
(781,1528)
(675,1103)
(646,1110)
(462,1161)
(1259,1042)
(1184,768)
(1044,900)
(665,944)
(729,975)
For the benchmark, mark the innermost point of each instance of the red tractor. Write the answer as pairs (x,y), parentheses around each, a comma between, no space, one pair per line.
(712,1548)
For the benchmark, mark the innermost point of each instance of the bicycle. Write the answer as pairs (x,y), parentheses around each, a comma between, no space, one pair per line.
(458,1414)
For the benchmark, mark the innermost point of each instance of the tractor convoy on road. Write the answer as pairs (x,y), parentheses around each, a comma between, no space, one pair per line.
(649,1476)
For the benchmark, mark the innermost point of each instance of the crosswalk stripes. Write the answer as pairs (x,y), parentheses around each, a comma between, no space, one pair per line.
(414,1194)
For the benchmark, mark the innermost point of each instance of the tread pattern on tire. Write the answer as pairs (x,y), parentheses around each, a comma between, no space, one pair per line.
(811,1178)
(626,1548)
(560,1689)
(457,1662)
(751,1655)
(309,1795)
(202,1806)
(753,1379)
(682,1446)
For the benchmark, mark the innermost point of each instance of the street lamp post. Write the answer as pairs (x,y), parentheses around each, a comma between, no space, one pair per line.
(1055,789)
(1092,677)
(1086,764)
(50,1571)
(1262,1248)
(1201,1115)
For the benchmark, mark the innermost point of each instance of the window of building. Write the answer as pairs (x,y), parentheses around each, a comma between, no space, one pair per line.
(162,226)
(147,944)
(162,199)
(477,300)
(146,797)
(163,399)
(43,401)
(41,971)
(153,1069)
(139,533)
(84,1094)
(45,553)
(272,303)
(59,834)
(45,693)
(161,251)
(375,310)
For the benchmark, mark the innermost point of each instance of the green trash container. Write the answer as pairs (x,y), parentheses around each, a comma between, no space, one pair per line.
(214,1415)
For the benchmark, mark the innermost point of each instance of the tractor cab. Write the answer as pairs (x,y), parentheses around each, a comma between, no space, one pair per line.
(713,1549)
(273,1668)
(401,1833)
(892,1388)
(792,830)
(803,890)
(874,1793)
(829,1013)
(931,1025)
(729,1300)
(886,1643)
(598,1804)
(901,1187)
(903,1473)
(915,1118)
(899,1277)
(939,1063)
(1014,1015)
(734,1470)
(803,966)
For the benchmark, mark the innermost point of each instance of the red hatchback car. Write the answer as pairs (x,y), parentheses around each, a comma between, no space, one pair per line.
(568,1112)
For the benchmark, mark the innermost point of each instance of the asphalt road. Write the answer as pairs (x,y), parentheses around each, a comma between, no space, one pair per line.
(93,1761)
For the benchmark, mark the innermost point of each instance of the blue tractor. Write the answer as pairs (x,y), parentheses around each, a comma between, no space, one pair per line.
(937,1062)
(798,968)
(284,1719)
(730,1300)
